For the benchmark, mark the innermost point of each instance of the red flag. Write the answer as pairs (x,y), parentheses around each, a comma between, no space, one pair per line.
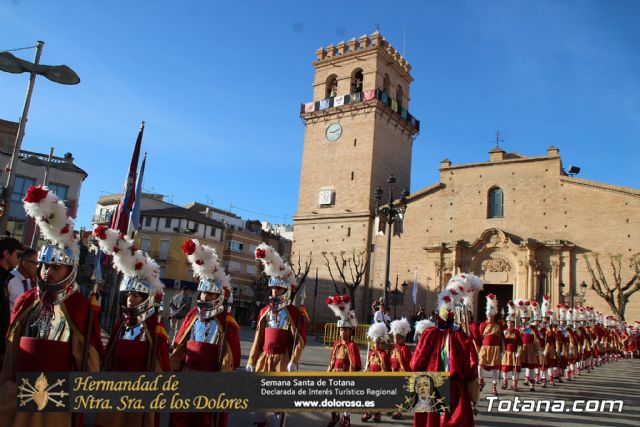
(121,218)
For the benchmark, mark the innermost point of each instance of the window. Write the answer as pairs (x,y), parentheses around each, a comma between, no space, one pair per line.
(195,227)
(164,249)
(252,249)
(399,96)
(251,269)
(20,187)
(163,272)
(234,266)
(357,81)
(496,198)
(331,89)
(212,232)
(235,246)
(386,84)
(144,244)
(147,221)
(167,223)
(59,189)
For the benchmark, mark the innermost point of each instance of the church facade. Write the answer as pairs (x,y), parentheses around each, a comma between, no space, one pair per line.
(519,222)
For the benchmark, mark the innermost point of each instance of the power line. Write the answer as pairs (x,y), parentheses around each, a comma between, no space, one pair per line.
(20,48)
(285,216)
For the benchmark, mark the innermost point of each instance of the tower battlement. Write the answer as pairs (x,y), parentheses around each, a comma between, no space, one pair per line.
(364,42)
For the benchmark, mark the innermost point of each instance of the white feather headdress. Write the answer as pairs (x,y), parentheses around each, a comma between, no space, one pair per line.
(423,325)
(50,214)
(492,305)
(274,265)
(400,327)
(341,307)
(378,332)
(128,259)
(206,264)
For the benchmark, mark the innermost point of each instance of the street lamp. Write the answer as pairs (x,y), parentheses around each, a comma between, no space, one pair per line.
(389,213)
(56,73)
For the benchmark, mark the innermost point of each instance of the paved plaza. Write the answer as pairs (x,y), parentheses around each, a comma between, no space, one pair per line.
(612,381)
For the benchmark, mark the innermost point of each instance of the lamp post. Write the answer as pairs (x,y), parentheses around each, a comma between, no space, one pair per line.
(56,73)
(390,214)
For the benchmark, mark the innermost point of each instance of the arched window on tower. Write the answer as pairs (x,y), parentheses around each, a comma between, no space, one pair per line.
(399,96)
(386,84)
(496,203)
(357,80)
(331,87)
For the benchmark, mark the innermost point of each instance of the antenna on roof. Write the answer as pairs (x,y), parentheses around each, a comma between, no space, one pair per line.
(498,139)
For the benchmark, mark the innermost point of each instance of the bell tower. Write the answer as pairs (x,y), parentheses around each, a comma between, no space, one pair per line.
(358,131)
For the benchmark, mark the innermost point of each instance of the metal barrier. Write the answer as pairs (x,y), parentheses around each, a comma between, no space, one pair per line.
(332,333)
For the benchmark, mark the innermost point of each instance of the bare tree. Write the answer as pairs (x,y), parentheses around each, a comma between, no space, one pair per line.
(350,270)
(615,292)
(301,270)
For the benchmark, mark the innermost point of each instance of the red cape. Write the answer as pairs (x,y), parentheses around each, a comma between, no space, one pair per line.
(76,306)
(354,354)
(405,356)
(229,326)
(463,368)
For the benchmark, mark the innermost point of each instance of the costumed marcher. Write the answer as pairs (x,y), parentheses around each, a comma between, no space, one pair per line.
(51,323)
(377,359)
(447,348)
(549,359)
(537,330)
(562,342)
(281,333)
(421,325)
(572,340)
(530,353)
(512,345)
(345,355)
(492,345)
(139,332)
(208,339)
(399,352)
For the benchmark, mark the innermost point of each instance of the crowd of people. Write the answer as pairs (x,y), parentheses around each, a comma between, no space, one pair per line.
(53,328)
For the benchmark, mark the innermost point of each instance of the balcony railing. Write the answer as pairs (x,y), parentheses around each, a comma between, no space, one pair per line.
(102,218)
(354,98)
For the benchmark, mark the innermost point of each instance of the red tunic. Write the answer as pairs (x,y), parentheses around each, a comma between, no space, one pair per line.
(204,357)
(350,364)
(400,357)
(463,371)
(378,361)
(120,356)
(77,307)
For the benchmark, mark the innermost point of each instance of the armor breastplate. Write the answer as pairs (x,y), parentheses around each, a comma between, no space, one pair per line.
(205,331)
(52,325)
(278,319)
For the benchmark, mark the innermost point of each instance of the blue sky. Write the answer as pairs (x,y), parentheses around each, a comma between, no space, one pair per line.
(220,85)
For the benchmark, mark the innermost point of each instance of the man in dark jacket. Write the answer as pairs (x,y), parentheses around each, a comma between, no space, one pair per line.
(10,250)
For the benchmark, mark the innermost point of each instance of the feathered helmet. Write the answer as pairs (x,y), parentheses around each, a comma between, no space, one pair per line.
(141,273)
(524,308)
(423,325)
(465,286)
(562,312)
(280,275)
(535,311)
(545,309)
(400,327)
(341,307)
(492,305)
(56,227)
(212,278)
(636,325)
(511,313)
(378,332)
(447,301)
